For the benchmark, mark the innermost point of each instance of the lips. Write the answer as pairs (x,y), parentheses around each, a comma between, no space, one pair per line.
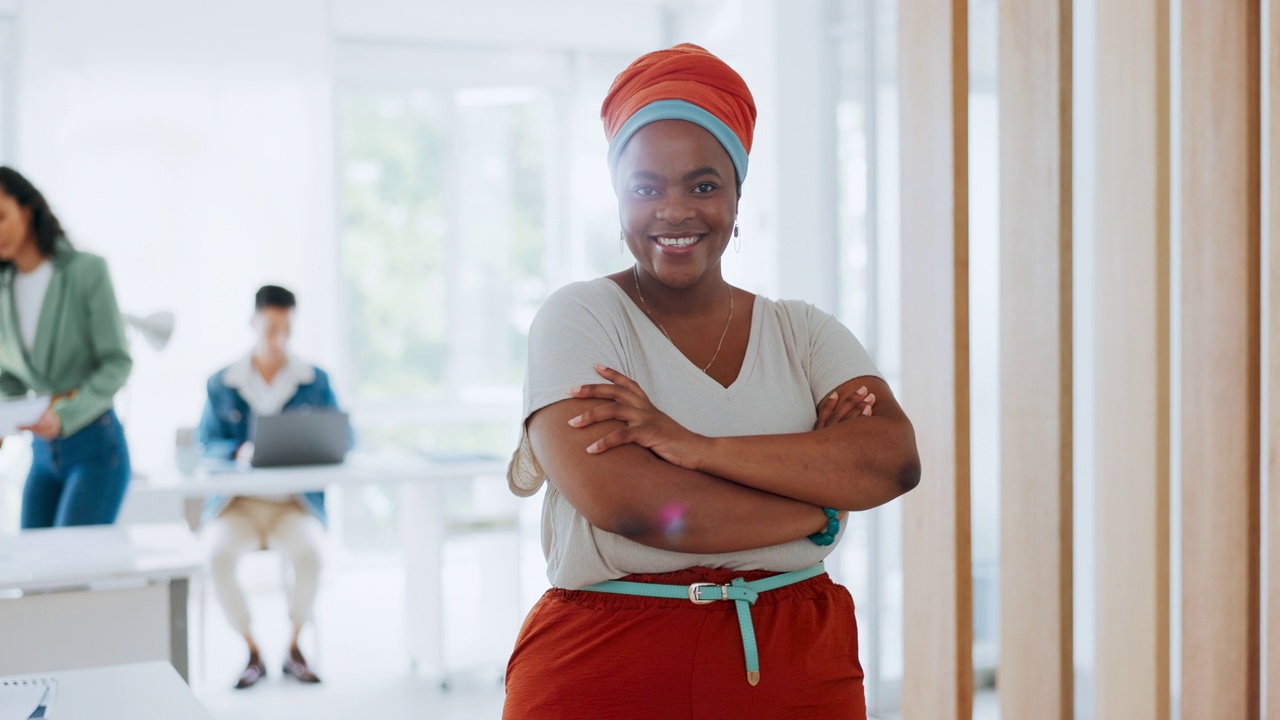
(678,244)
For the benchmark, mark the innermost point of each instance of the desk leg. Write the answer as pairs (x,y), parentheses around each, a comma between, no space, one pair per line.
(422,525)
(179,590)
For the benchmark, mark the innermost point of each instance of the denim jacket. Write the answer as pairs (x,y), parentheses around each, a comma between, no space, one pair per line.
(225,426)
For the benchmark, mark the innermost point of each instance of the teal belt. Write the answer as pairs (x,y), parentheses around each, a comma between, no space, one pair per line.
(743,593)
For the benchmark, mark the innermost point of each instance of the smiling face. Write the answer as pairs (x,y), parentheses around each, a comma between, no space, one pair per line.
(677,201)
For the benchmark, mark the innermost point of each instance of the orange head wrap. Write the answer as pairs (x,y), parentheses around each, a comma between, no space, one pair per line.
(682,83)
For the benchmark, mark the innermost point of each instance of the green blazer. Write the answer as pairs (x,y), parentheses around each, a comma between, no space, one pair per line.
(80,343)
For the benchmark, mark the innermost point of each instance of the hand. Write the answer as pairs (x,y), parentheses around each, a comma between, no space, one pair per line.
(245,453)
(47,427)
(834,410)
(647,426)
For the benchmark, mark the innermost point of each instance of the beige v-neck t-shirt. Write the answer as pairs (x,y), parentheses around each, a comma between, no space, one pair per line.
(796,355)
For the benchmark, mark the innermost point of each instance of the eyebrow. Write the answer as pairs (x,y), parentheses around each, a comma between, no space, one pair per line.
(646,175)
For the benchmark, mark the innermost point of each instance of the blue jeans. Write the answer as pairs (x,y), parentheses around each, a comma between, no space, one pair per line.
(78,480)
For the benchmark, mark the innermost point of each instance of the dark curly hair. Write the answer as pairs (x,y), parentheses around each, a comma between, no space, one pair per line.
(45,227)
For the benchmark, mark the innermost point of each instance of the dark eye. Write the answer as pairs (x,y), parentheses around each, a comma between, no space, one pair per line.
(645,191)
(705,187)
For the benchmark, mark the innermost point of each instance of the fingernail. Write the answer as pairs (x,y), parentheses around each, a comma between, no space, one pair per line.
(574,390)
(866,410)
(576,420)
(600,367)
(862,390)
(593,447)
(871,397)
(832,396)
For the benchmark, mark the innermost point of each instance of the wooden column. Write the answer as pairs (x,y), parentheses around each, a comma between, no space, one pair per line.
(1133,382)
(1036,675)
(1220,349)
(937,559)
(1272,368)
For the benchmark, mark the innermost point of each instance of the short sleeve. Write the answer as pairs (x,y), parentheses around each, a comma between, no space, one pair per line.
(577,327)
(835,355)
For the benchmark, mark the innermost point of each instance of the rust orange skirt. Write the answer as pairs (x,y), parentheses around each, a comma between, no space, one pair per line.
(600,656)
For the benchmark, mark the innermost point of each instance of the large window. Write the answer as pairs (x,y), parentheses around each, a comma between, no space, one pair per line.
(443,240)
(472,184)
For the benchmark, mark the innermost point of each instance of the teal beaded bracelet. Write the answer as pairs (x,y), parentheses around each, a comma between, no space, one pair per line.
(833,528)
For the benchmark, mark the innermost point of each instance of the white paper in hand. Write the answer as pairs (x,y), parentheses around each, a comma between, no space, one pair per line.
(22,411)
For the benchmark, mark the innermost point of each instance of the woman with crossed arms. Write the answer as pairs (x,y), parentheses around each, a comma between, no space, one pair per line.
(703,447)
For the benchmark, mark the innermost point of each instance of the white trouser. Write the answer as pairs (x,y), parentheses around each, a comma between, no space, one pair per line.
(248,524)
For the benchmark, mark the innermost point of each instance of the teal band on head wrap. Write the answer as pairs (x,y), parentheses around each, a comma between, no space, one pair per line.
(681,110)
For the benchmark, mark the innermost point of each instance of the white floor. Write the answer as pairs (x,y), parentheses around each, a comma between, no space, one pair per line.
(358,652)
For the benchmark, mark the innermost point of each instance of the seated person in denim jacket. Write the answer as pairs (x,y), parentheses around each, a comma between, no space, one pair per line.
(267,381)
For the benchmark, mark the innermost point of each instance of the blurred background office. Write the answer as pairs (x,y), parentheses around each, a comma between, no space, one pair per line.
(425,173)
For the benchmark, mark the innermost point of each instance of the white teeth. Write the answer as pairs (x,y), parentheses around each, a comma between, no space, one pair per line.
(679,242)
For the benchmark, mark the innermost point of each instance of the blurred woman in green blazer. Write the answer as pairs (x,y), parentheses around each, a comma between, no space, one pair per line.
(61,334)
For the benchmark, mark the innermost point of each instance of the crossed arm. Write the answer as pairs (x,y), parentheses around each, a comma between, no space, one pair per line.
(630,469)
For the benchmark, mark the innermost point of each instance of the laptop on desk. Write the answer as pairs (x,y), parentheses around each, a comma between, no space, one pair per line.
(316,437)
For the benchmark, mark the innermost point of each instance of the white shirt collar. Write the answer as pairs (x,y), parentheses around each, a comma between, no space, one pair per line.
(264,398)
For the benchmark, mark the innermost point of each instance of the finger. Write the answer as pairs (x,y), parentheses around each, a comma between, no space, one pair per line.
(868,404)
(605,411)
(862,408)
(618,378)
(610,441)
(847,409)
(825,408)
(849,406)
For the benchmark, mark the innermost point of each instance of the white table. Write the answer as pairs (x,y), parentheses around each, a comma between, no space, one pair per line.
(100,595)
(422,527)
(122,692)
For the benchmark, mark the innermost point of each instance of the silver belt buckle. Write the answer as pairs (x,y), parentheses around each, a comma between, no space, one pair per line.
(697,599)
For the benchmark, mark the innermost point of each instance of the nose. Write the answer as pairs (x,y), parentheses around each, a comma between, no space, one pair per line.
(675,209)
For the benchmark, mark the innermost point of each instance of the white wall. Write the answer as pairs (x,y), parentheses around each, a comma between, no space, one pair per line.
(191,144)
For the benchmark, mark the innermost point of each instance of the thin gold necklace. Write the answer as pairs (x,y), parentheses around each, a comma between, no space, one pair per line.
(645,306)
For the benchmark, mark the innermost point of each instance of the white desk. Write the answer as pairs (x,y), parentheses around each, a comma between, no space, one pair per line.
(86,596)
(358,470)
(122,692)
(422,527)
